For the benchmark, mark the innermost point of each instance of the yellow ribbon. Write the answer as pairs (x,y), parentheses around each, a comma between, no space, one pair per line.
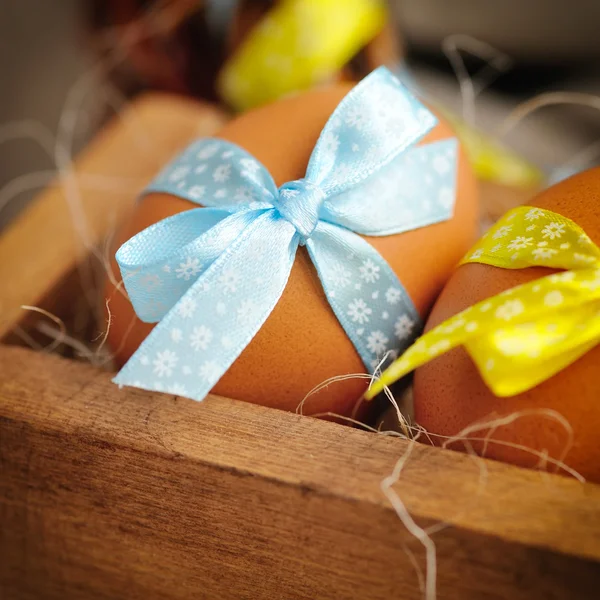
(492,161)
(298,44)
(526,334)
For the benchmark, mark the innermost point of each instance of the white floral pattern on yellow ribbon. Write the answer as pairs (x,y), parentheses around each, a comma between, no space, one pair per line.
(529,333)
(299,43)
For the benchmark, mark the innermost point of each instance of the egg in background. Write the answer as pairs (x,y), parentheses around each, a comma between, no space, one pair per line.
(361,43)
(449,394)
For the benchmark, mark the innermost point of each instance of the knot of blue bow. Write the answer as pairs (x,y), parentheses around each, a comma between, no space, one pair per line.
(300,203)
(212,275)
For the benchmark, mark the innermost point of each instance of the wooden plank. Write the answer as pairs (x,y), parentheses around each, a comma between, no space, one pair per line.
(109,493)
(41,250)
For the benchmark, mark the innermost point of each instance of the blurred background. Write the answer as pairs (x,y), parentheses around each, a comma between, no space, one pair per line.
(66,67)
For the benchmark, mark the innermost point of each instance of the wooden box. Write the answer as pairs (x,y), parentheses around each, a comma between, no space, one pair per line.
(108,493)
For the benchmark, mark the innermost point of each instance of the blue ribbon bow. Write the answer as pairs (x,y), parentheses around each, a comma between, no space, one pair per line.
(212,275)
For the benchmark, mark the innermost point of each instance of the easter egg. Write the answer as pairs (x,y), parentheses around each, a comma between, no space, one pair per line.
(384,47)
(302,344)
(278,48)
(450,395)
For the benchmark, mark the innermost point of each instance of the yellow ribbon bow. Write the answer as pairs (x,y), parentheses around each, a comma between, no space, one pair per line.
(526,334)
(298,44)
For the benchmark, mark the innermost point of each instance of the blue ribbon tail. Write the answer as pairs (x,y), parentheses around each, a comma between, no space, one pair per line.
(365,294)
(203,334)
(162,262)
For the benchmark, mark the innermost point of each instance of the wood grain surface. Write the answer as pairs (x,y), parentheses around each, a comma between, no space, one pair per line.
(108,493)
(41,251)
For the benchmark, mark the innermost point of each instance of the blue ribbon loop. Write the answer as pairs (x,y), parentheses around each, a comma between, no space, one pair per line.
(211,276)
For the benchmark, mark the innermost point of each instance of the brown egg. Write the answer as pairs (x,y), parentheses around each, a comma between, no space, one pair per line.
(385,48)
(450,395)
(302,343)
